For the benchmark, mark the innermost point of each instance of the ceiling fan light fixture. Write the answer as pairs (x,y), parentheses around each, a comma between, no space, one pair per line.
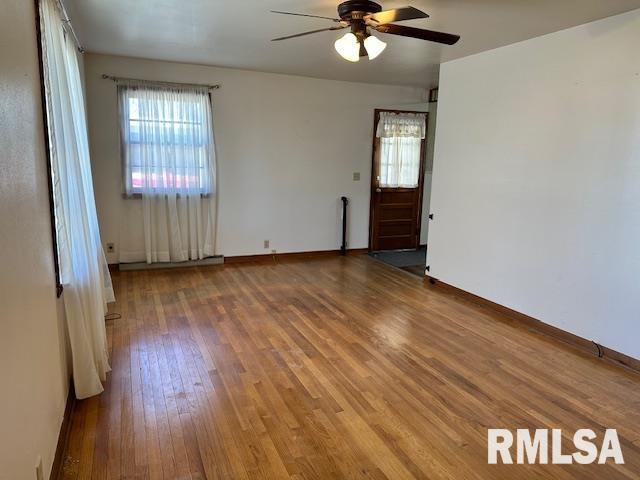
(374,46)
(348,47)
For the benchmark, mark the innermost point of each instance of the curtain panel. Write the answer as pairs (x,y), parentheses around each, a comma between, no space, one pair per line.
(84,272)
(400,136)
(405,125)
(169,160)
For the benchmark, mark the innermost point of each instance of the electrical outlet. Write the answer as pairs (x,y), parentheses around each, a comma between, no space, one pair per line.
(39,469)
(266,244)
(356,176)
(111,247)
(274,251)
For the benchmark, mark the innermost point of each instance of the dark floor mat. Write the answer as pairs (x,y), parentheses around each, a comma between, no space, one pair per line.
(415,269)
(402,258)
(413,261)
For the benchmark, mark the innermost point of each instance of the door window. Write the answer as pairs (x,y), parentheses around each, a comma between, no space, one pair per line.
(401,136)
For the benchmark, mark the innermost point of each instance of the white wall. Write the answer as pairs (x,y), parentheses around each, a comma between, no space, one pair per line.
(287,150)
(428,174)
(536,188)
(33,371)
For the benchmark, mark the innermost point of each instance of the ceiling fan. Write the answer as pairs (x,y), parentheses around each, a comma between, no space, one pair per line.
(362,16)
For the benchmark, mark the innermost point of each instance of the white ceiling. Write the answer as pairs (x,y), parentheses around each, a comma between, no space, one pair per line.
(237,33)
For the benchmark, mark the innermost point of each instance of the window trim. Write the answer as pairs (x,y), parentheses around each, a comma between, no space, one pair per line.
(47,153)
(136,195)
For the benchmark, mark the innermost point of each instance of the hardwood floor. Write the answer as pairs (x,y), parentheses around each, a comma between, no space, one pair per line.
(330,368)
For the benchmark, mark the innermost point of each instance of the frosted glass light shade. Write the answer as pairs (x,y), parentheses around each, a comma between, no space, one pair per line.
(348,47)
(374,46)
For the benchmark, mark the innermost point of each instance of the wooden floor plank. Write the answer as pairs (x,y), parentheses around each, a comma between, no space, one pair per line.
(330,368)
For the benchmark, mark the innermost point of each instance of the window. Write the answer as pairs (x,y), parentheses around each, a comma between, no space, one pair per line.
(167,139)
(401,137)
(83,269)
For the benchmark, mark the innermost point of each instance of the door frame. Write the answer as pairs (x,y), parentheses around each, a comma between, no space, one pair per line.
(372,191)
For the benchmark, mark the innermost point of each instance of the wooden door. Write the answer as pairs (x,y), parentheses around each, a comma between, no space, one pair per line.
(395,213)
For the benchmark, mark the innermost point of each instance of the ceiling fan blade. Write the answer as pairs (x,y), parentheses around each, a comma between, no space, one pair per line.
(430,35)
(308,33)
(305,15)
(396,15)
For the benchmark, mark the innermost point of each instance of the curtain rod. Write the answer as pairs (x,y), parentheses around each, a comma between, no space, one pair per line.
(116,79)
(66,21)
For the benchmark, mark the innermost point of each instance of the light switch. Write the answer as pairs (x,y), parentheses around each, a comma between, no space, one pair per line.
(356,176)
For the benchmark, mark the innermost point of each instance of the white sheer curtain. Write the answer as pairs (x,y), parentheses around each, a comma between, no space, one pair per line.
(83,268)
(401,136)
(169,158)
